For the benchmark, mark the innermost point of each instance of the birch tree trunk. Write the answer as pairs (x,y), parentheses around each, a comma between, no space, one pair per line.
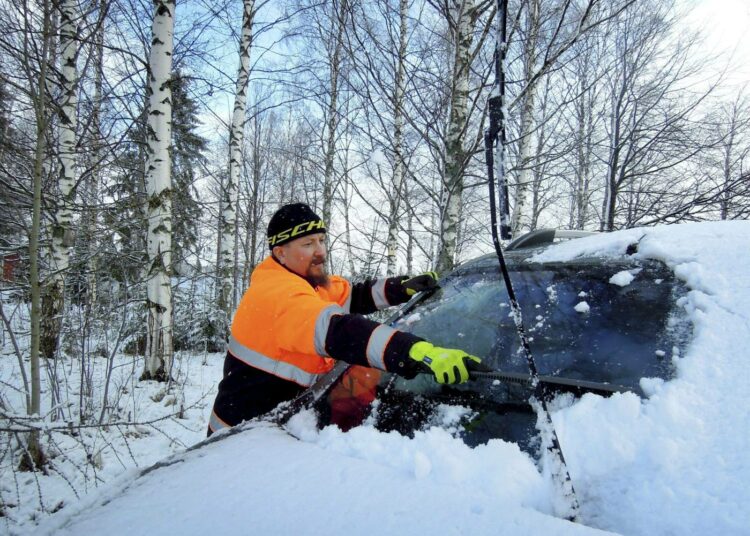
(347,228)
(734,149)
(541,196)
(398,140)
(228,222)
(727,169)
(410,233)
(159,193)
(521,218)
(53,294)
(333,111)
(455,155)
(584,149)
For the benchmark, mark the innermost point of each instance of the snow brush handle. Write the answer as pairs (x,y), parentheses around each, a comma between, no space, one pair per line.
(549,385)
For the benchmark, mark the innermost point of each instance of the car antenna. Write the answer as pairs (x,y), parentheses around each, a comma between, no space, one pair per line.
(497,111)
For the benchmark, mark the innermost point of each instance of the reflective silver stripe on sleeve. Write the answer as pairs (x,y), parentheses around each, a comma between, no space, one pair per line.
(282,369)
(216,424)
(322,324)
(378,294)
(376,345)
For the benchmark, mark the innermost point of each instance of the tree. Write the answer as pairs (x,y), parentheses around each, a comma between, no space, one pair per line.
(254,190)
(228,222)
(650,130)
(398,140)
(549,32)
(322,29)
(188,158)
(339,18)
(15,196)
(731,174)
(521,218)
(584,75)
(159,191)
(53,297)
(34,456)
(377,47)
(95,139)
(462,17)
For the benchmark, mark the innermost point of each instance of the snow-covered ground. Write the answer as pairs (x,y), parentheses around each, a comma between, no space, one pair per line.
(675,463)
(147,421)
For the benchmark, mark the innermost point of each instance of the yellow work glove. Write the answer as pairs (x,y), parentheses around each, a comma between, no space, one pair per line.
(448,366)
(418,283)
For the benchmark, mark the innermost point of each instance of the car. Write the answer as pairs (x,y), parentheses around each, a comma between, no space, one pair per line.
(594,325)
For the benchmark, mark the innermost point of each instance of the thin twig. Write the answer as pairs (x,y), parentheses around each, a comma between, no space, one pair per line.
(17,351)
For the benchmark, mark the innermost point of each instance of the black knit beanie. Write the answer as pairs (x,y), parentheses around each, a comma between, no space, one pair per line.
(293,221)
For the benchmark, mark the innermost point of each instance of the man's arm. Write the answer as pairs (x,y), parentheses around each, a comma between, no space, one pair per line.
(375,294)
(360,341)
(330,331)
(352,336)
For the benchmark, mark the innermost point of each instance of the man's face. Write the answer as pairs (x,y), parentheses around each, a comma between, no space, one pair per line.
(305,256)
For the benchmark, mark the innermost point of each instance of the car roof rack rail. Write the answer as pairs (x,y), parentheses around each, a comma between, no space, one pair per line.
(542,237)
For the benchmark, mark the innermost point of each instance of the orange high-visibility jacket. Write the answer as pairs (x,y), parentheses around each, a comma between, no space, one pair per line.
(290,330)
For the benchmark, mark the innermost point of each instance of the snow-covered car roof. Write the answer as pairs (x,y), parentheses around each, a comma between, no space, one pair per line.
(677,462)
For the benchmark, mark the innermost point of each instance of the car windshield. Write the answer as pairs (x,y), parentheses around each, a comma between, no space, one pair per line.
(613,321)
(579,324)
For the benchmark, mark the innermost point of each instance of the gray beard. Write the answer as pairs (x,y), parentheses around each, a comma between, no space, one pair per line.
(317,280)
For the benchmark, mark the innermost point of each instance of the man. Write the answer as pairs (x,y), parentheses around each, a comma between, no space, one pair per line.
(294,320)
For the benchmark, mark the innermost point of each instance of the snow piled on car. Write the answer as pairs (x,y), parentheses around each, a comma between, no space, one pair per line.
(677,462)
(266,481)
(622,279)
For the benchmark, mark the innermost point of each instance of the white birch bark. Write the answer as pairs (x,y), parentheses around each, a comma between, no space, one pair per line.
(347,228)
(159,194)
(453,184)
(230,192)
(410,240)
(53,297)
(521,219)
(333,111)
(398,137)
(584,117)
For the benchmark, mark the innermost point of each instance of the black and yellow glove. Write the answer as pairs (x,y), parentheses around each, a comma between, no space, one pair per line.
(448,365)
(418,283)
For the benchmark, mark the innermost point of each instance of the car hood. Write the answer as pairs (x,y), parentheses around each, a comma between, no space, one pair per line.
(265,481)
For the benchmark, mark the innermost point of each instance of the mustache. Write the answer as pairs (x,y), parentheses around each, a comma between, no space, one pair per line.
(318,260)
